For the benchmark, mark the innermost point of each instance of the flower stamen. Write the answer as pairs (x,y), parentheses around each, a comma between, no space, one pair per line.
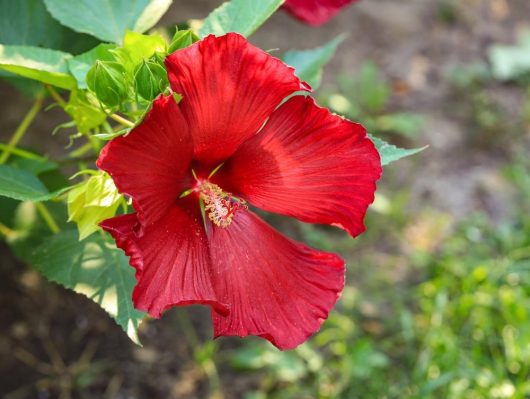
(218,205)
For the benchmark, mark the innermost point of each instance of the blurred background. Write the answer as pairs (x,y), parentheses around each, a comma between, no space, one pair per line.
(437,303)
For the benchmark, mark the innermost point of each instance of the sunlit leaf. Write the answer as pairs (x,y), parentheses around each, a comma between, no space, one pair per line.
(44,65)
(137,48)
(91,202)
(95,268)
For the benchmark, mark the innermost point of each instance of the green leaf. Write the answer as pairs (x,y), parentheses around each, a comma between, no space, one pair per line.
(390,153)
(27,22)
(22,185)
(44,65)
(309,63)
(108,19)
(91,202)
(34,166)
(95,268)
(81,64)
(136,48)
(240,16)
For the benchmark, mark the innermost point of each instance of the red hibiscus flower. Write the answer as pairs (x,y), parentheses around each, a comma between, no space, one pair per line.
(191,168)
(315,12)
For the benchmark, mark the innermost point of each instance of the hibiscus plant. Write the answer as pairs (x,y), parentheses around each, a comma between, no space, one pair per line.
(179,139)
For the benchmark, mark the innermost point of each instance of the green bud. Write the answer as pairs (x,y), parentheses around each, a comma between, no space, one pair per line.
(107,80)
(150,79)
(158,58)
(91,202)
(182,39)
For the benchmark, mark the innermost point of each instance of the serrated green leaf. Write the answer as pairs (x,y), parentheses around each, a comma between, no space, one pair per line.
(240,16)
(309,63)
(390,153)
(44,65)
(108,19)
(95,268)
(81,64)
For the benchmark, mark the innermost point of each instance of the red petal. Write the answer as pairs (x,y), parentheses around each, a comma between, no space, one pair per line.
(309,164)
(149,163)
(229,89)
(122,228)
(276,288)
(315,12)
(171,260)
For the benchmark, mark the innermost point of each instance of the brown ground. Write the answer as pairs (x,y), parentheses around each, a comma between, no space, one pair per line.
(53,339)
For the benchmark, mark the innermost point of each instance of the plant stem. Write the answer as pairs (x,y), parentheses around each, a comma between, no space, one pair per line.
(58,99)
(47,217)
(21,129)
(121,120)
(62,103)
(6,231)
(23,153)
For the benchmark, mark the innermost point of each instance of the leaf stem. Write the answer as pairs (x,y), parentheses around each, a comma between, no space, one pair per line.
(21,129)
(47,217)
(53,93)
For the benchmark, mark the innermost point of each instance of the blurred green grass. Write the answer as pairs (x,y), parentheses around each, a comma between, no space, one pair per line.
(448,317)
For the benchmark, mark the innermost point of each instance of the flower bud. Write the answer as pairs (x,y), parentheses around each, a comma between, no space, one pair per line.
(150,79)
(107,80)
(182,39)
